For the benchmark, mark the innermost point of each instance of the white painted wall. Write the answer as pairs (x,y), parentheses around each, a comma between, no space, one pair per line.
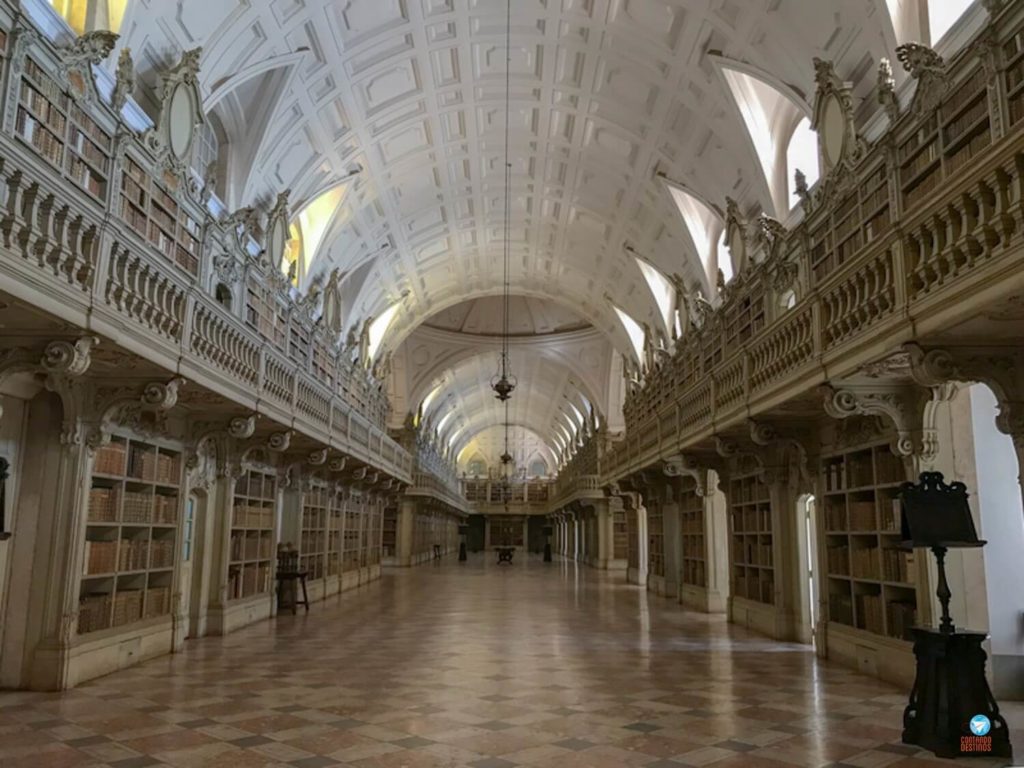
(1002,525)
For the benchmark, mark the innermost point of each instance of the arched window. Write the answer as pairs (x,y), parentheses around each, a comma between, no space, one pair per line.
(538,468)
(942,15)
(477,468)
(780,132)
(707,231)
(925,21)
(89,15)
(308,230)
(209,153)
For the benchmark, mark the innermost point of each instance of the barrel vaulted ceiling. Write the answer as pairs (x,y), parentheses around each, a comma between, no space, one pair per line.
(604,93)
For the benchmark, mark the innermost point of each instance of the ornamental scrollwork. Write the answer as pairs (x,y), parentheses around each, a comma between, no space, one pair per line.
(929,69)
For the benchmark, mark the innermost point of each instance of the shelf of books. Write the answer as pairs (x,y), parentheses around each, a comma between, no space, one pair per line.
(871,582)
(130,535)
(655,539)
(313,539)
(691,529)
(253,522)
(375,521)
(752,567)
(351,535)
(334,533)
(50,122)
(620,534)
(1013,54)
(156,217)
(389,542)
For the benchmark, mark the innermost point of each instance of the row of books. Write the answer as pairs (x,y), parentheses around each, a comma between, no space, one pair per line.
(84,176)
(693,573)
(926,186)
(870,613)
(255,486)
(250,547)
(899,566)
(864,562)
(36,134)
(89,126)
(110,556)
(102,610)
(252,516)
(88,150)
(748,490)
(248,580)
(862,514)
(46,84)
(752,520)
(968,152)
(43,109)
(838,559)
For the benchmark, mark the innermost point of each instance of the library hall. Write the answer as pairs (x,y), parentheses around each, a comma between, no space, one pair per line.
(511,383)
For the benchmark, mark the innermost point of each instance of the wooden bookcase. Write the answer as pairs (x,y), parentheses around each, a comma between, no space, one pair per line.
(389,542)
(265,314)
(334,533)
(375,521)
(655,539)
(313,538)
(51,123)
(1013,53)
(131,535)
(752,565)
(253,523)
(149,209)
(620,534)
(691,530)
(947,141)
(350,537)
(871,583)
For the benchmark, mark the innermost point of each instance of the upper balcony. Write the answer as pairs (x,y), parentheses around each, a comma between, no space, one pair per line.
(106,228)
(907,235)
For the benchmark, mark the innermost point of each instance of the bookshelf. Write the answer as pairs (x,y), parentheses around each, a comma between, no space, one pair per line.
(691,529)
(59,131)
(752,567)
(334,533)
(313,538)
(389,543)
(130,535)
(375,522)
(871,583)
(350,536)
(620,535)
(253,518)
(265,314)
(655,539)
(155,216)
(1013,75)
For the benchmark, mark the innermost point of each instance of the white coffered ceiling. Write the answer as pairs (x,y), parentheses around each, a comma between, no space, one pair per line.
(603,94)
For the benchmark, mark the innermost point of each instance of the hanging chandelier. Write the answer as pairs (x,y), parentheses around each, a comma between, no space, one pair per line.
(504,382)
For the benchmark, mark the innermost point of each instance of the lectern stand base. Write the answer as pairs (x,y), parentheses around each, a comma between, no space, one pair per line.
(949,692)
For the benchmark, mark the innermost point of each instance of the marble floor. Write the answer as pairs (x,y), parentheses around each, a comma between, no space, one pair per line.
(474,665)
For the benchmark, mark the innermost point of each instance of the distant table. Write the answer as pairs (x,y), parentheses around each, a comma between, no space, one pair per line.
(505,554)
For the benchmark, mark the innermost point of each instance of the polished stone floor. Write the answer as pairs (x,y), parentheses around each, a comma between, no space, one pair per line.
(473,665)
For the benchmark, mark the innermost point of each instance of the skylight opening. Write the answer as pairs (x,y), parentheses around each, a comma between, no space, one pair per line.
(662,290)
(576,412)
(308,230)
(942,15)
(633,330)
(724,258)
(770,115)
(379,327)
(802,155)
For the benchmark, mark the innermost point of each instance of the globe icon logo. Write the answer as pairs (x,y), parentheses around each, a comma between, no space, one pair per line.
(980,725)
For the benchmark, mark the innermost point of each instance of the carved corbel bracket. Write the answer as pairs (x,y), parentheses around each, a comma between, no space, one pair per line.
(687,466)
(1001,369)
(129,407)
(279,442)
(630,499)
(902,403)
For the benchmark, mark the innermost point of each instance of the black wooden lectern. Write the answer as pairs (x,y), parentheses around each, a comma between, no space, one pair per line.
(950,697)
(548,531)
(463,533)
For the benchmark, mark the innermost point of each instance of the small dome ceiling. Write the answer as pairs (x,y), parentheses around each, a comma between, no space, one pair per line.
(527,317)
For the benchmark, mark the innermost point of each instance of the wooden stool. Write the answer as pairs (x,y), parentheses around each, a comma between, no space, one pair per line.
(291,577)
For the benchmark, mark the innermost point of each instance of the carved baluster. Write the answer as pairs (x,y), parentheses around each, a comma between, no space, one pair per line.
(1003,212)
(987,208)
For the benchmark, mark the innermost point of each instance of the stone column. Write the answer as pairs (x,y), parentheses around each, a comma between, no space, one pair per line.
(716,545)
